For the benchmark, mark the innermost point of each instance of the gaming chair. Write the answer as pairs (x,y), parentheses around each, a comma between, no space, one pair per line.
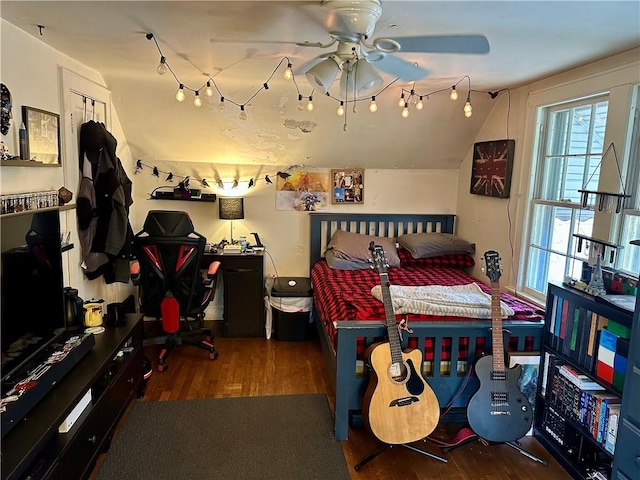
(167,270)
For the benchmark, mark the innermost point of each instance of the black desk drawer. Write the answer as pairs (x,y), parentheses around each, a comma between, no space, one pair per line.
(78,456)
(126,383)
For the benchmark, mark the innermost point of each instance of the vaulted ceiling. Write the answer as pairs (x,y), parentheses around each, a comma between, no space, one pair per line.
(239,45)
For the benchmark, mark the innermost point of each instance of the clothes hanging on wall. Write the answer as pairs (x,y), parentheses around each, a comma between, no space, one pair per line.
(103,206)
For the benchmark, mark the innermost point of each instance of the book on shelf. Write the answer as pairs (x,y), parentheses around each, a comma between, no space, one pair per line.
(612,428)
(580,380)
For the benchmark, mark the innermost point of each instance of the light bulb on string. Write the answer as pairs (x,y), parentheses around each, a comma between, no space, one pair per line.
(468,109)
(162,66)
(197,101)
(243,114)
(413,99)
(419,104)
(208,91)
(221,105)
(288,72)
(405,112)
(401,102)
(373,106)
(300,104)
(180,93)
(340,110)
(310,104)
(454,93)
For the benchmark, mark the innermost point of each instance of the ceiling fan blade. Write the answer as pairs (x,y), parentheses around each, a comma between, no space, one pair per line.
(475,44)
(400,68)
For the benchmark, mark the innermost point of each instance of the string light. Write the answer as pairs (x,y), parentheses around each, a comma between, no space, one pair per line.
(288,72)
(185,179)
(180,93)
(373,106)
(162,66)
(468,109)
(407,97)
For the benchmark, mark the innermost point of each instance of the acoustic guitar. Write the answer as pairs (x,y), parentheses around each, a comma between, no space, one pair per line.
(498,411)
(399,406)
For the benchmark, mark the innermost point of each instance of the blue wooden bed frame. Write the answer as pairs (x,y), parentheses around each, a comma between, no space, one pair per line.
(349,383)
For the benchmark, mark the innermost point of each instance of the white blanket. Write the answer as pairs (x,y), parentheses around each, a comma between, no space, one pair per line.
(456,301)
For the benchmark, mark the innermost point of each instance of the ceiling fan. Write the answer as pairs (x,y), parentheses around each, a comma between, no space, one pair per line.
(351,24)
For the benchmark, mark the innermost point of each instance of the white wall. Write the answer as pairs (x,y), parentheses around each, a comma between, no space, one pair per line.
(499,224)
(31,71)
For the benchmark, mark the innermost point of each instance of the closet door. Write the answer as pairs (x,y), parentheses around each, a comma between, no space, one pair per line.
(84,100)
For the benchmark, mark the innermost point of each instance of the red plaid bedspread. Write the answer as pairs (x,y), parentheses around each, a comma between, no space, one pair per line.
(346,294)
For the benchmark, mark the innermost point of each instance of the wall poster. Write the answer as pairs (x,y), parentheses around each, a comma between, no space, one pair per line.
(302,191)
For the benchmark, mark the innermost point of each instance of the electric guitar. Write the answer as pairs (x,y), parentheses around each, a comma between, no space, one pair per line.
(398,406)
(498,411)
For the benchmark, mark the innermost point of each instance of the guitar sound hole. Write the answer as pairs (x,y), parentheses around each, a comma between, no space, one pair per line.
(398,372)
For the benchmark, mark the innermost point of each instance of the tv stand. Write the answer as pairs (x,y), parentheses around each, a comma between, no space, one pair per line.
(113,371)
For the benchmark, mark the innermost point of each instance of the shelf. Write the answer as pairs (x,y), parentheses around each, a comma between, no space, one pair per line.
(27,163)
(206,197)
(602,198)
(61,208)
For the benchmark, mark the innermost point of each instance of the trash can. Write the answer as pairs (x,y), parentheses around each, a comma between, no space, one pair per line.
(291,301)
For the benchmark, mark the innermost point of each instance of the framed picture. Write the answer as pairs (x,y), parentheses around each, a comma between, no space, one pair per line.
(347,186)
(528,382)
(491,168)
(43,135)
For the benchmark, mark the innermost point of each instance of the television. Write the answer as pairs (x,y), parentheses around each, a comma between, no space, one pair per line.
(32,304)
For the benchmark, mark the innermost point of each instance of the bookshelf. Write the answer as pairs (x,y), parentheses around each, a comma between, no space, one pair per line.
(586,363)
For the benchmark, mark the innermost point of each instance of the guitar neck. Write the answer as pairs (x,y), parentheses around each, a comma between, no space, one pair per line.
(392,329)
(496,329)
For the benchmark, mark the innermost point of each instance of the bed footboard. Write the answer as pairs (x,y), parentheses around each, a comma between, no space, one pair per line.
(449,349)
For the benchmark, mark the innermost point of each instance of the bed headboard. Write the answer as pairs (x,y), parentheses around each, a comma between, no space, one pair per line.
(383,225)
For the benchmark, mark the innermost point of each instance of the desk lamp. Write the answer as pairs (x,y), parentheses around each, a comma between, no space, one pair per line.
(231,208)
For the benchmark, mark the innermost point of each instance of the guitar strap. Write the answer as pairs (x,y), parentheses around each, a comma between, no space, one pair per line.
(465,435)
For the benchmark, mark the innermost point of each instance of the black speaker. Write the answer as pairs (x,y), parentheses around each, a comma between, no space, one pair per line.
(117,312)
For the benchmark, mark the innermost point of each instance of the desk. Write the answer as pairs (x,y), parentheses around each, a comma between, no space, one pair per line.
(243,290)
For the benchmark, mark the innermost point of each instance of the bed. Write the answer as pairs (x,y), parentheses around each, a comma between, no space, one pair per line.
(347,321)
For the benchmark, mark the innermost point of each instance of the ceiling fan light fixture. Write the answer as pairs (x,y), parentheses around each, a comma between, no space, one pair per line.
(322,75)
(361,79)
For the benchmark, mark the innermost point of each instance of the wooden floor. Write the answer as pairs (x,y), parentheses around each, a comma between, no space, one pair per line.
(256,366)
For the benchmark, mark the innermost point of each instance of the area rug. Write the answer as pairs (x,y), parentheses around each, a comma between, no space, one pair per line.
(281,437)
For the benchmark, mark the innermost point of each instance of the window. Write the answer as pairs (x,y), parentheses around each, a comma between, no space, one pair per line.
(629,257)
(570,149)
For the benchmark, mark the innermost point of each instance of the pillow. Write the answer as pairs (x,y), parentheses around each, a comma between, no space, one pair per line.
(426,245)
(453,260)
(355,246)
(344,263)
